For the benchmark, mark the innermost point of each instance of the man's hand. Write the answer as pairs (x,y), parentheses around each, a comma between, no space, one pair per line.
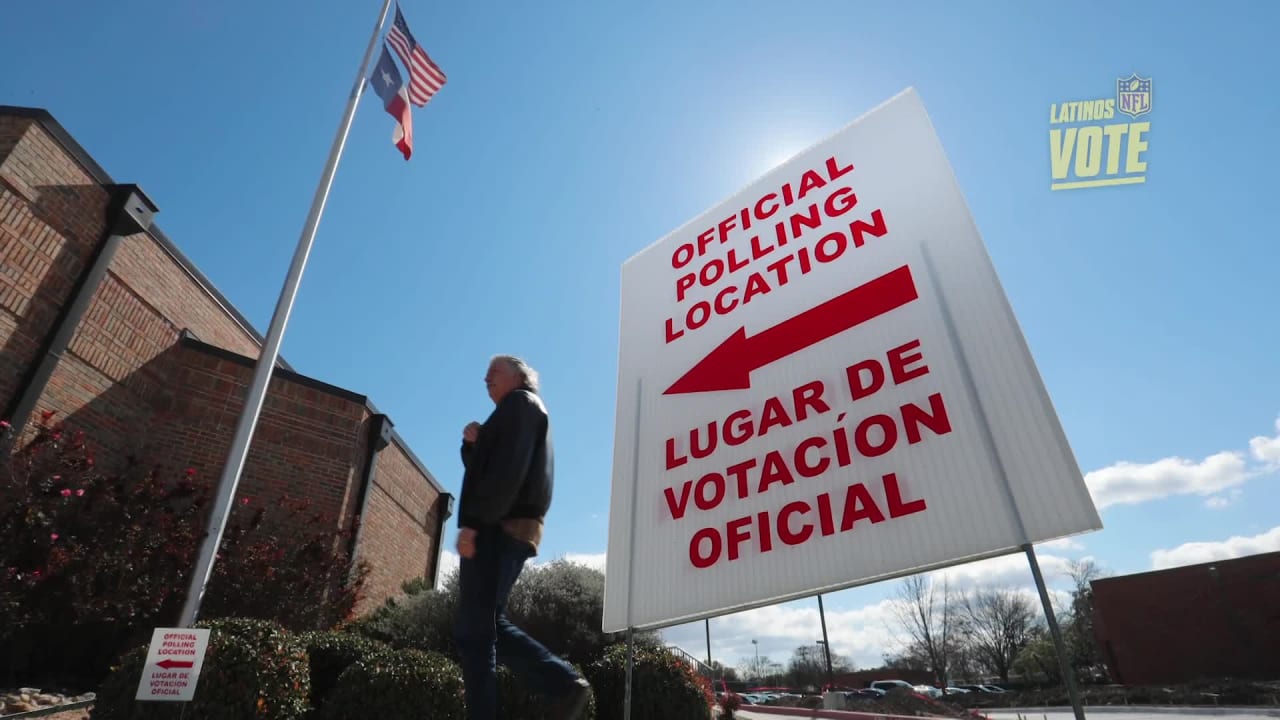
(467,543)
(471,432)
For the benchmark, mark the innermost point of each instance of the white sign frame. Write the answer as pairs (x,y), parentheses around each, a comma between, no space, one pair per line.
(1011,478)
(172,668)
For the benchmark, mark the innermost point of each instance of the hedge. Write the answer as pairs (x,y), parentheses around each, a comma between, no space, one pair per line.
(662,686)
(253,669)
(329,654)
(397,685)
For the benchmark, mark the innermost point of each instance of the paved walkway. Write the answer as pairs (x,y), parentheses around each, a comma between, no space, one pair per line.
(1112,712)
(1139,712)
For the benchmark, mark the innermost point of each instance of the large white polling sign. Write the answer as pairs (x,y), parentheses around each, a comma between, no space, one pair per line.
(821,384)
(173,664)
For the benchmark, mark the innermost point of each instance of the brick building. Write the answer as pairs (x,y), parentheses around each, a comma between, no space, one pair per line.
(106,323)
(1209,621)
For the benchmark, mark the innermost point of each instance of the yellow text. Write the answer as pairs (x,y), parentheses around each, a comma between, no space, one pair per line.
(1082,111)
(1098,154)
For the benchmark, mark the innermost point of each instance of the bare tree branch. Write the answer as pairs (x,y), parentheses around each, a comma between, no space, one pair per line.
(928,618)
(999,623)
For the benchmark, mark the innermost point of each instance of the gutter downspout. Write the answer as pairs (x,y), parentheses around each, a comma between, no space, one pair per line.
(130,212)
(379,437)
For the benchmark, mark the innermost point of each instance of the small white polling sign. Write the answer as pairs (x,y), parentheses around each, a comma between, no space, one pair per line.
(173,664)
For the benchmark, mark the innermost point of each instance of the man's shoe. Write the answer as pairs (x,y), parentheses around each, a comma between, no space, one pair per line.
(571,705)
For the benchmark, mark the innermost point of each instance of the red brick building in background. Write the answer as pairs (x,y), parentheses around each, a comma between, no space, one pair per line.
(104,322)
(1209,621)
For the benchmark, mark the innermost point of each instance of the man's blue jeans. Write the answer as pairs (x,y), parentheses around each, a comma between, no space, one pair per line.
(485,635)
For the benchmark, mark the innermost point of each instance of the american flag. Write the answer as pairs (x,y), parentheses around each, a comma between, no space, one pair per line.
(425,77)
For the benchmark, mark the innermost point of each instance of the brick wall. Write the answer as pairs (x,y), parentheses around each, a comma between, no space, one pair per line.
(52,219)
(137,382)
(401,521)
(63,194)
(152,273)
(1212,620)
(308,443)
(51,215)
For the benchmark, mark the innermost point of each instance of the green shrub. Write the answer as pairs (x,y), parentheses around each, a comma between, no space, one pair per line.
(253,669)
(329,654)
(662,687)
(262,633)
(560,604)
(421,621)
(396,685)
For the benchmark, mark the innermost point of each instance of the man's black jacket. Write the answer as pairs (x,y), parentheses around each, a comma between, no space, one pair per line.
(510,468)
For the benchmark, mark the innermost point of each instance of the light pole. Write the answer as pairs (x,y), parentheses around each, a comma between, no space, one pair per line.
(822,615)
(708,621)
(757,665)
(830,676)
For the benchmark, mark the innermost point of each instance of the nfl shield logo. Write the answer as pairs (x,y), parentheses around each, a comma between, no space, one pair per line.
(1133,95)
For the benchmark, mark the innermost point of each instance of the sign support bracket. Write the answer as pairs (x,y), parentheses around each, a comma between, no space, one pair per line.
(631,550)
(1051,619)
(826,643)
(1059,646)
(631,657)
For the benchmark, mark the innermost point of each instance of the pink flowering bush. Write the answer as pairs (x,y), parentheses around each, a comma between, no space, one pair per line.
(100,557)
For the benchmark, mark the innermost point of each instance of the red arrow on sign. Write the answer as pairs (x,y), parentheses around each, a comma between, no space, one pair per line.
(729,365)
(169,664)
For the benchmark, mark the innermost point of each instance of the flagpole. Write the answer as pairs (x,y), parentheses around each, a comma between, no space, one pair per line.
(248,421)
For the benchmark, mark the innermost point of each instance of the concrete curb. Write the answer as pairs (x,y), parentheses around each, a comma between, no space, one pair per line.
(1224,710)
(822,713)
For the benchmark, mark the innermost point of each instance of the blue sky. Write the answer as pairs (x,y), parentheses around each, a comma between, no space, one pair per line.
(573,134)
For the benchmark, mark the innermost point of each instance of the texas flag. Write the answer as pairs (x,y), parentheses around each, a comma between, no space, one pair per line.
(395,98)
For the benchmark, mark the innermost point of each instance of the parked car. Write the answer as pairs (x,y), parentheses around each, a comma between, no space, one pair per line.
(864,694)
(988,689)
(928,690)
(887,685)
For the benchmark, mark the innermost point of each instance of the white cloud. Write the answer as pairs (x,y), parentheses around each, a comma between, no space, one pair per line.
(448,563)
(1128,483)
(1266,450)
(591,560)
(863,634)
(1218,502)
(1201,552)
(1005,571)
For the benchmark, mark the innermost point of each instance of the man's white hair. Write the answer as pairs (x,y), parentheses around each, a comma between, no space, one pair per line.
(528,376)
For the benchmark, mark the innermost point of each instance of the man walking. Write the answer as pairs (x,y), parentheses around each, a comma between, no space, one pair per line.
(506,492)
